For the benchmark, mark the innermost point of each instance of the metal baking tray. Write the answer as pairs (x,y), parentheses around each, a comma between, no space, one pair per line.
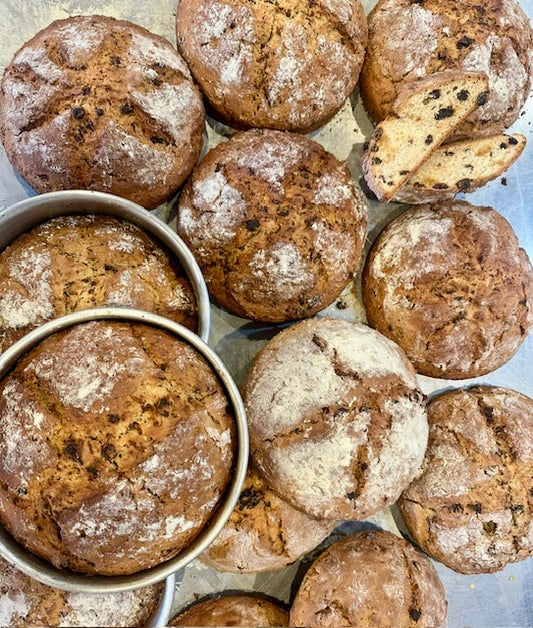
(501,599)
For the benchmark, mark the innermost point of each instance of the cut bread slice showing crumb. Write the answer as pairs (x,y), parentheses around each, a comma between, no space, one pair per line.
(425,114)
(461,167)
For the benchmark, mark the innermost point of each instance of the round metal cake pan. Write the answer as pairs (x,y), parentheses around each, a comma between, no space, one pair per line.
(69,580)
(161,615)
(33,211)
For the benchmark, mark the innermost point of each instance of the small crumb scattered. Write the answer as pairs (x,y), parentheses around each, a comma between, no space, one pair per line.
(341,305)
(512,578)
(504,180)
(472,586)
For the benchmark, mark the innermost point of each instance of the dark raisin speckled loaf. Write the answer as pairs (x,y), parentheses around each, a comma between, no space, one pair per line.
(101,104)
(370,578)
(409,40)
(276,224)
(79,261)
(117,444)
(472,506)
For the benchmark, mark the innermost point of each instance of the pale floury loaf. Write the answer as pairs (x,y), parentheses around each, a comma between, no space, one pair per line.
(337,422)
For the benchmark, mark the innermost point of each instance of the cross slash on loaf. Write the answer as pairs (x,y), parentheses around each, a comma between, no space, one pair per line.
(424,115)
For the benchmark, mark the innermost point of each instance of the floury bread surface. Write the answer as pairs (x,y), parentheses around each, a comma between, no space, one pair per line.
(369,579)
(287,66)
(472,507)
(79,261)
(96,103)
(337,422)
(450,284)
(264,532)
(276,224)
(116,447)
(410,39)
(26,602)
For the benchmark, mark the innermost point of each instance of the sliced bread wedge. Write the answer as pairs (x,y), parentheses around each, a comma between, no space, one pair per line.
(425,114)
(461,167)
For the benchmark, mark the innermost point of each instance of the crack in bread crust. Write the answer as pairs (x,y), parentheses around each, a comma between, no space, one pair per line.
(335,418)
(471,507)
(287,65)
(118,114)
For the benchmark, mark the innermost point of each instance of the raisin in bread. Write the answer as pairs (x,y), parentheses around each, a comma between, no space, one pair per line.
(461,167)
(413,38)
(425,114)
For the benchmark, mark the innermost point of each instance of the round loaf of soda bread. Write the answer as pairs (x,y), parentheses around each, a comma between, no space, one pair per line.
(261,64)
(450,284)
(233,610)
(337,422)
(409,40)
(472,507)
(264,532)
(82,261)
(370,578)
(117,443)
(95,103)
(276,224)
(26,602)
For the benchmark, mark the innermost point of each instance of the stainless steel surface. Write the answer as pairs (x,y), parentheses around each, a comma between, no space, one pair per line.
(37,209)
(71,581)
(502,599)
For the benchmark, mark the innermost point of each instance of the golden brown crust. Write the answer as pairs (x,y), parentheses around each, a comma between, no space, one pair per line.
(410,39)
(76,262)
(276,224)
(336,419)
(287,66)
(233,610)
(102,104)
(371,578)
(264,532)
(26,602)
(450,284)
(117,444)
(472,506)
